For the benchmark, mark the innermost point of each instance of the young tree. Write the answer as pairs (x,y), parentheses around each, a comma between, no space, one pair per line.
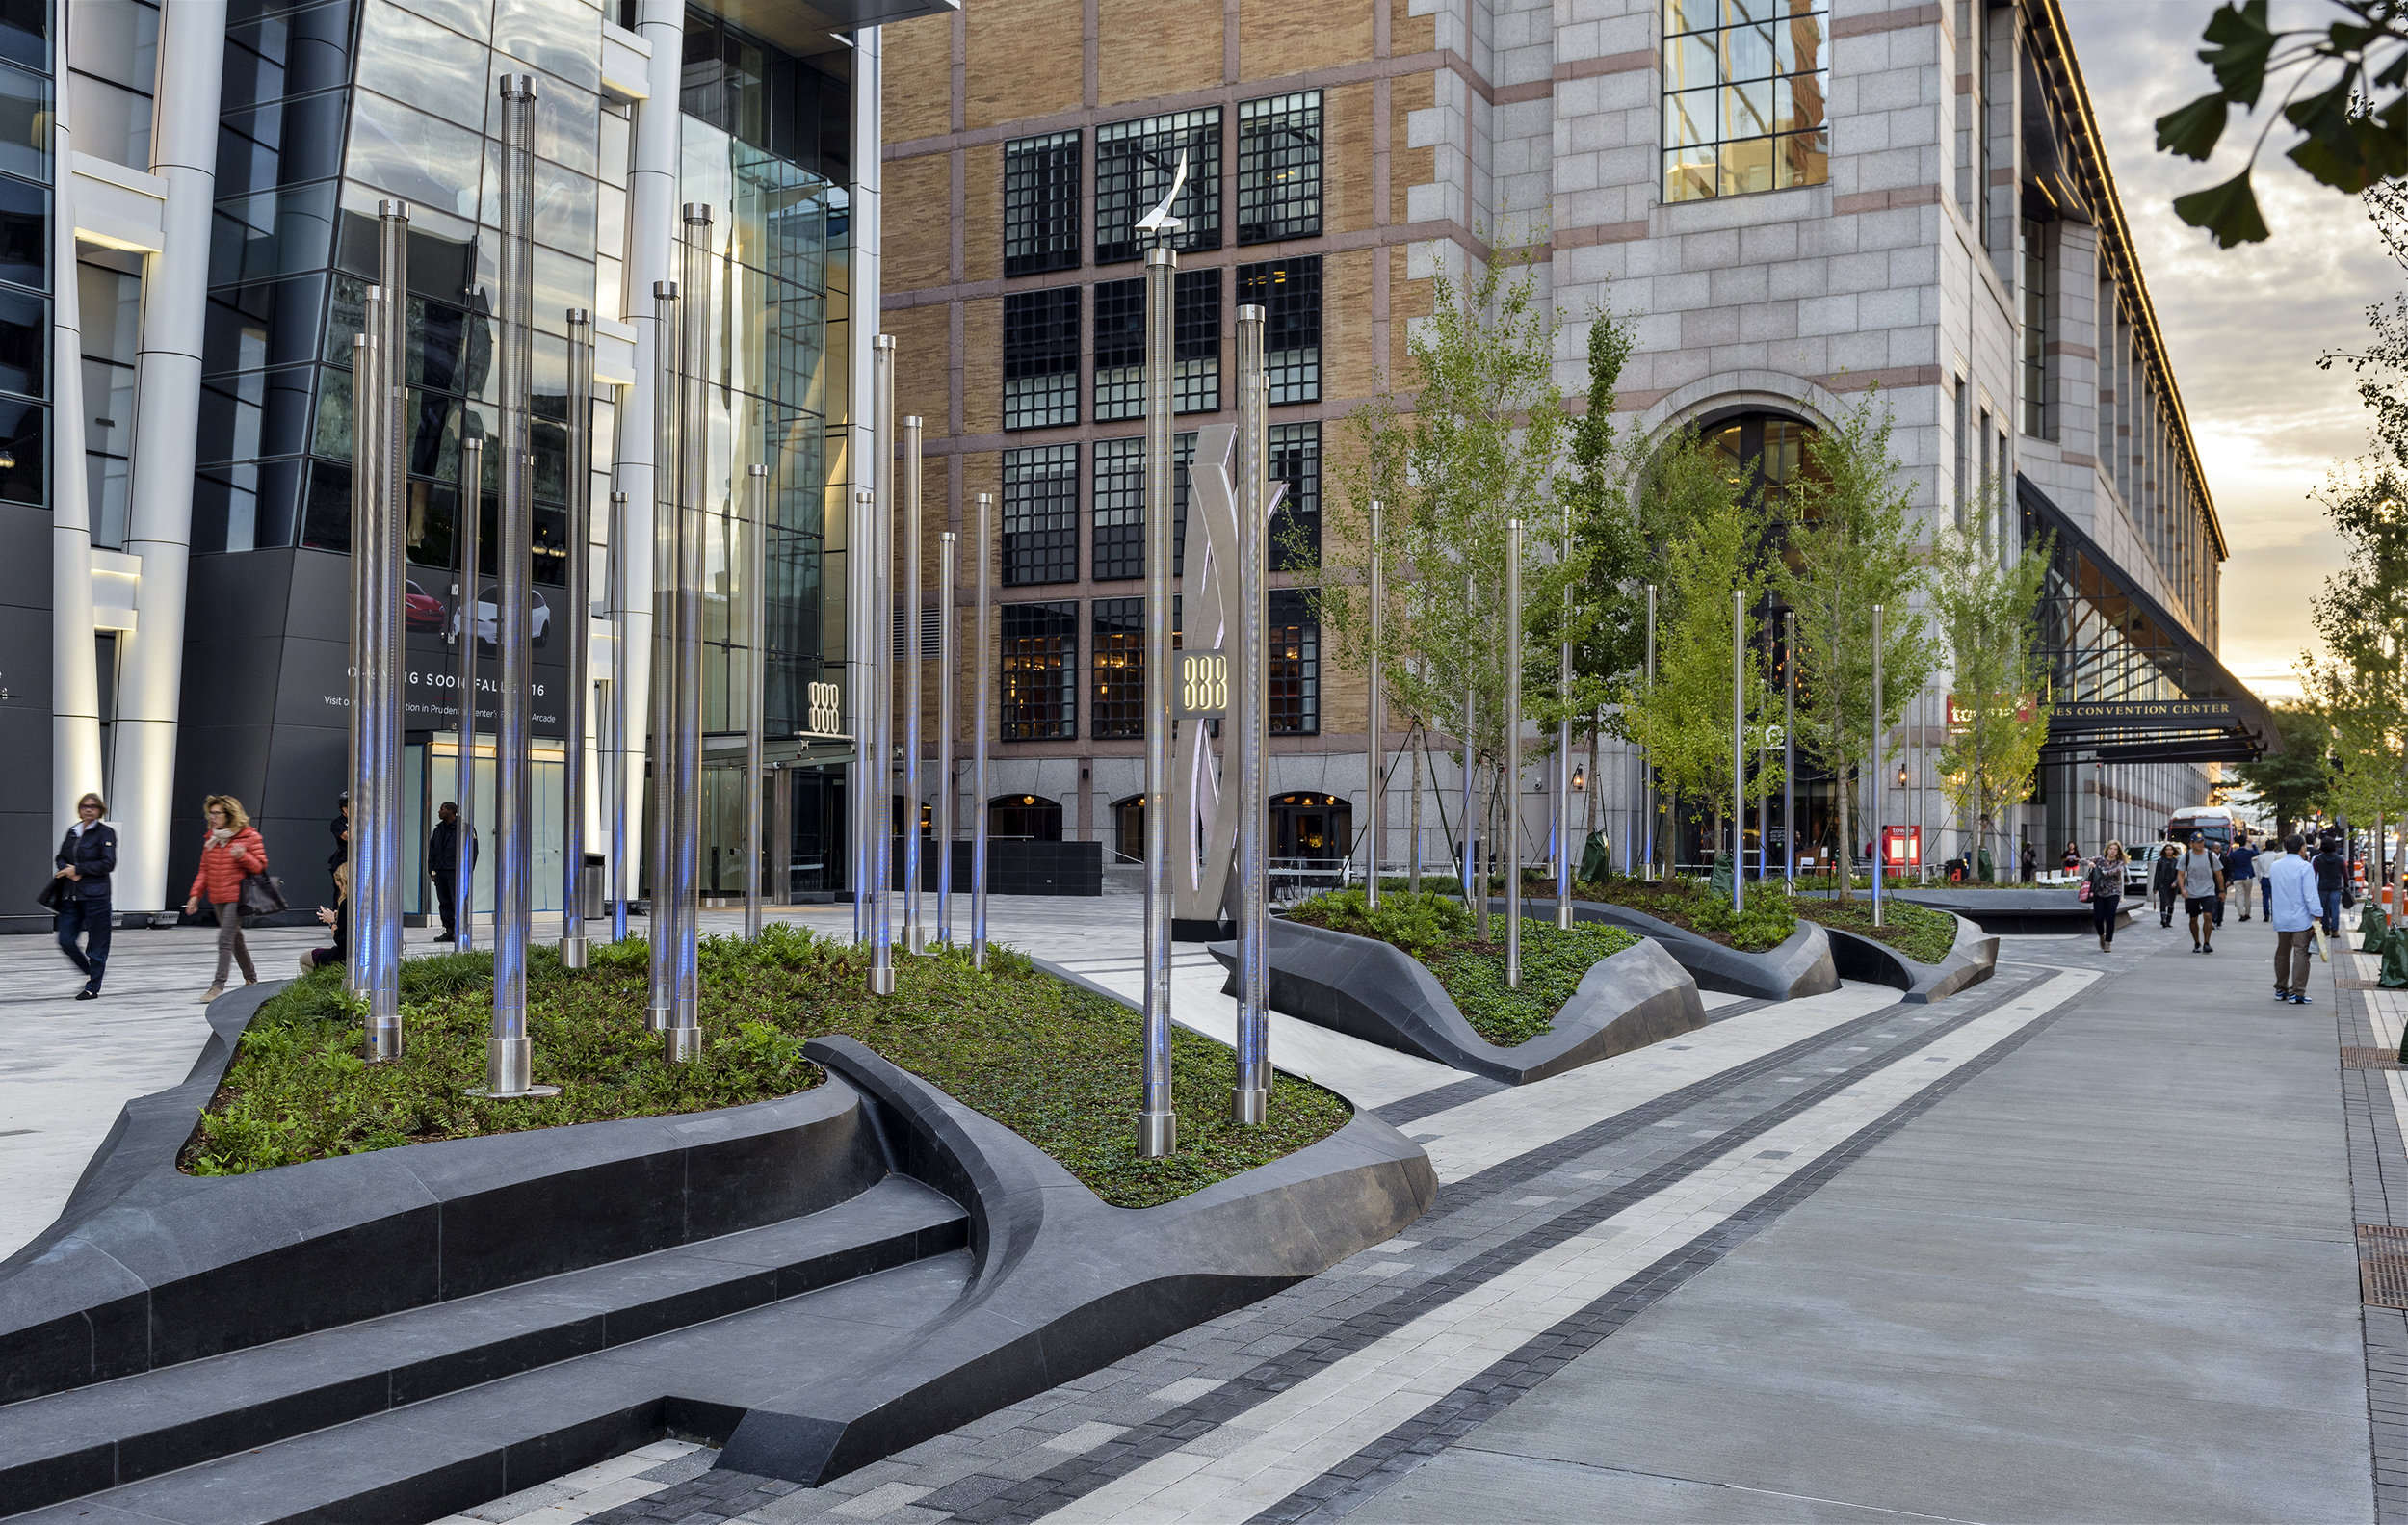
(1984,607)
(1684,716)
(2296,783)
(1609,620)
(1852,545)
(1481,446)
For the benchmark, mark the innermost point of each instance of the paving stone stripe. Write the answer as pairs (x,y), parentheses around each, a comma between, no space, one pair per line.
(2374,1107)
(1304,1431)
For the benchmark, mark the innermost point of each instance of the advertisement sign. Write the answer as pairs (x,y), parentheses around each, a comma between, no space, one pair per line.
(1902,846)
(1962,712)
(431,681)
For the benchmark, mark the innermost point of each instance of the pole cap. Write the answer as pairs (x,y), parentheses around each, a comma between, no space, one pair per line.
(579,315)
(697,212)
(911,421)
(756,469)
(519,87)
(884,341)
(1248,312)
(1158,256)
(393,207)
(665,290)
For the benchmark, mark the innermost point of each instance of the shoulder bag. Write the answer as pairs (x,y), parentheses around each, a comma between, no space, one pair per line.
(260,896)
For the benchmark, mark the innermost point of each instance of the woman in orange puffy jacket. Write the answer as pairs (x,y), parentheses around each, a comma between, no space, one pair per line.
(231,853)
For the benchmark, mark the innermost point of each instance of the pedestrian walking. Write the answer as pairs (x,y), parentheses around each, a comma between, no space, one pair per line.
(2164,876)
(2240,876)
(339,919)
(2203,887)
(2332,872)
(2294,917)
(443,866)
(231,853)
(88,854)
(2032,863)
(2072,860)
(2106,879)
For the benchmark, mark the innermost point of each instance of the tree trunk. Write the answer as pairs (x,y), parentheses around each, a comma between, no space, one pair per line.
(1487,855)
(1413,856)
(1596,784)
(1842,793)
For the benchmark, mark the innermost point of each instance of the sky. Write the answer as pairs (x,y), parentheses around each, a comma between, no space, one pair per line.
(2244,325)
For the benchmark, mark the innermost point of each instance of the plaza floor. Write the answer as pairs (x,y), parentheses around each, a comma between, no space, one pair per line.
(2078,1244)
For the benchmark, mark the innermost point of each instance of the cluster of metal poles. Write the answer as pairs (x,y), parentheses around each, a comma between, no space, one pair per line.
(379,379)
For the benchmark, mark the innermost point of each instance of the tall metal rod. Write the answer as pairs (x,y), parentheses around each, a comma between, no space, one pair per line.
(1374,755)
(1157,1125)
(1249,1095)
(1470,709)
(948,702)
(1739,748)
(1563,749)
(682,1038)
(470,529)
(1513,754)
(915,679)
(668,549)
(1874,802)
(372,967)
(757,691)
(1646,764)
(861,542)
(880,785)
(509,1054)
(622,883)
(982,656)
(1788,746)
(367,530)
(579,550)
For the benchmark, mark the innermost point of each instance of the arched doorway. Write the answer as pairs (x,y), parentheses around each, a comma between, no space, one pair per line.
(1024,818)
(1312,829)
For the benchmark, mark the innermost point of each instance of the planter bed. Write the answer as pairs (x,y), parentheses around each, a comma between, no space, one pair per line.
(1799,966)
(2018,910)
(1971,960)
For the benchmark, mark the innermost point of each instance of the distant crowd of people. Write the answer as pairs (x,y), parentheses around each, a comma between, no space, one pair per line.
(2300,888)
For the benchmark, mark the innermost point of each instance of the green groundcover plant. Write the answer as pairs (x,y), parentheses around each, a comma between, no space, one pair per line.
(1054,1063)
(1919,932)
(1768,922)
(1437,931)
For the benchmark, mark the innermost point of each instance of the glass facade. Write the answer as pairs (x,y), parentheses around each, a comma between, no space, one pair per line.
(26,243)
(1279,167)
(1745,84)
(1134,165)
(1040,656)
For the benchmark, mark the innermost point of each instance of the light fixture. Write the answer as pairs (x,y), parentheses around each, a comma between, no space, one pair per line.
(1901,775)
(1579,777)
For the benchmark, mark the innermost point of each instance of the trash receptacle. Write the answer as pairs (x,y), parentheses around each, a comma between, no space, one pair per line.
(595,905)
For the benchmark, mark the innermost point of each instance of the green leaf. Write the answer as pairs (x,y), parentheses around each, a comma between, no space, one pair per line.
(2192,130)
(2349,38)
(2229,211)
(2243,42)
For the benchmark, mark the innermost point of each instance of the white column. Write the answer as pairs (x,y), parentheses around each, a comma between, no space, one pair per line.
(74,676)
(652,229)
(167,411)
(864,625)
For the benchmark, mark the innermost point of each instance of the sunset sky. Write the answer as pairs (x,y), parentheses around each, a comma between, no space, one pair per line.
(2245,326)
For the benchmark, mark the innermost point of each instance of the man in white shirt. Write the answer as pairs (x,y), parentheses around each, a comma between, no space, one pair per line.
(2295,914)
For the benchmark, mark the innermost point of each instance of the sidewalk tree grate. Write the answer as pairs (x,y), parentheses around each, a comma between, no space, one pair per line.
(2357,985)
(2372,1059)
(2382,1265)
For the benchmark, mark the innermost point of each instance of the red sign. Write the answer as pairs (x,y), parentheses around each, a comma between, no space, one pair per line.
(1962,712)
(1902,846)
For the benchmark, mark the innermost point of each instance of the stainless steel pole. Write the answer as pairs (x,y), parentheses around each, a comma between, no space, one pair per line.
(880,785)
(469,528)
(1513,754)
(757,632)
(1788,746)
(1374,723)
(1250,1097)
(1157,1125)
(622,883)
(367,533)
(509,1056)
(1470,710)
(1879,846)
(1738,748)
(862,549)
(383,874)
(1646,764)
(668,543)
(915,930)
(1563,749)
(372,967)
(682,1039)
(983,655)
(948,702)
(579,550)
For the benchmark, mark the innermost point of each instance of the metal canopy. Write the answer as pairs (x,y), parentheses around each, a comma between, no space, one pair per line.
(2212,717)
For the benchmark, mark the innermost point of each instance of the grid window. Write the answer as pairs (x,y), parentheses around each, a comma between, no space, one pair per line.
(1041,515)
(1120,346)
(1041,672)
(1135,162)
(2035,334)
(1743,90)
(1041,205)
(1279,167)
(1116,709)
(1295,642)
(1041,359)
(1290,292)
(1295,531)
(1119,496)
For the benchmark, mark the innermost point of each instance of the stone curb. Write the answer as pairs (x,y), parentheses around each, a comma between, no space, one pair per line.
(1368,989)
(1800,967)
(1973,959)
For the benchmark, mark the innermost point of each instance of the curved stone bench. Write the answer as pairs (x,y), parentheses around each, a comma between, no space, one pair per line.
(1368,989)
(2041,911)
(1973,959)
(1801,966)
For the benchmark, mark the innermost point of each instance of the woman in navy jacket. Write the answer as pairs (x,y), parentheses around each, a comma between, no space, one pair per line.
(88,854)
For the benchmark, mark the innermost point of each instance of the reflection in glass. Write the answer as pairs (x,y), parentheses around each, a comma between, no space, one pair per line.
(24,124)
(417,157)
(435,69)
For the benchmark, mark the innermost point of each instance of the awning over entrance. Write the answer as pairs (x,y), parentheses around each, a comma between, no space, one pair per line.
(2131,683)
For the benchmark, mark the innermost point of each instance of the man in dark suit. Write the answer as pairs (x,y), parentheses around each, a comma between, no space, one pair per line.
(443,866)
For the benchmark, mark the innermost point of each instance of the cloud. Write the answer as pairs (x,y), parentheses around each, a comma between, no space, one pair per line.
(2244,326)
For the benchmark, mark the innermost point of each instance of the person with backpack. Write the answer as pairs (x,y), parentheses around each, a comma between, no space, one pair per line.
(88,854)
(2203,891)
(2106,883)
(231,853)
(2294,918)
(2241,871)
(2332,872)
(2163,876)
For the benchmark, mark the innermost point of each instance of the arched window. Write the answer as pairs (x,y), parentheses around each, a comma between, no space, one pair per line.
(1762,453)
(1024,818)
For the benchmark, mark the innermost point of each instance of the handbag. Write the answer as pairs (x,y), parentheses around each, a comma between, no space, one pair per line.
(2084,893)
(53,895)
(259,896)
